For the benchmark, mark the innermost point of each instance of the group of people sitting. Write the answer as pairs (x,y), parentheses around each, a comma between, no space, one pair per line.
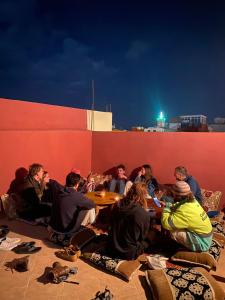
(129,231)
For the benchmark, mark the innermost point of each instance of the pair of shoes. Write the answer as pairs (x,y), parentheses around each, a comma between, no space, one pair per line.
(8,243)
(26,248)
(69,253)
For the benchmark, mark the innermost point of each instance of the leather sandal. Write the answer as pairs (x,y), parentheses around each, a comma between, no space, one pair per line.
(69,253)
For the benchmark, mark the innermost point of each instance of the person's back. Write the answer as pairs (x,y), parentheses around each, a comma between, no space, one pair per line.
(130,226)
(68,205)
(66,208)
(188,216)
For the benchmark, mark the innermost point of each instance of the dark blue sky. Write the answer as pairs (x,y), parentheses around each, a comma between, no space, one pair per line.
(145,56)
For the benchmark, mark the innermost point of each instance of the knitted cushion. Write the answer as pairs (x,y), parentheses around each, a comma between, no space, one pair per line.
(124,268)
(187,283)
(207,260)
(211,200)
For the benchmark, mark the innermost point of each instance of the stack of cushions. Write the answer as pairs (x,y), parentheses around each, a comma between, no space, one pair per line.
(208,260)
(186,283)
(211,200)
(124,268)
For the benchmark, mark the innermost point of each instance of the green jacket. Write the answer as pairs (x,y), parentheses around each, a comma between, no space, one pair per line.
(191,217)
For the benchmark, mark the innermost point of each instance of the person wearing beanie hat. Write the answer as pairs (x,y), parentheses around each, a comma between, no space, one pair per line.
(186,220)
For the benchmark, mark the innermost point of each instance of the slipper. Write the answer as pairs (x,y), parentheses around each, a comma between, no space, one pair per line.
(26,244)
(26,249)
(69,253)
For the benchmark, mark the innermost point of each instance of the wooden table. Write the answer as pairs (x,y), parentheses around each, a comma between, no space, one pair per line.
(103,198)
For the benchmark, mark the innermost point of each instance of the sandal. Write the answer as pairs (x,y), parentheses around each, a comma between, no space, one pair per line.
(26,249)
(26,244)
(69,253)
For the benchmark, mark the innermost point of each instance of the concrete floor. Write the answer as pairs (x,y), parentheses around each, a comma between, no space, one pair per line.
(27,285)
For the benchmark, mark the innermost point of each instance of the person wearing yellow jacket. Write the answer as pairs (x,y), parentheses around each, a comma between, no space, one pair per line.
(186,220)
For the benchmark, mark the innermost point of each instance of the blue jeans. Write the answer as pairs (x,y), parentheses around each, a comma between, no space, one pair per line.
(117,185)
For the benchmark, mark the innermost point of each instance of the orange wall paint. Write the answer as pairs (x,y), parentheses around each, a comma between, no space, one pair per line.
(20,115)
(201,153)
(58,151)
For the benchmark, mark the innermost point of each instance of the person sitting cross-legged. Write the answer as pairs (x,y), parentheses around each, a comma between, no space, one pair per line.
(186,220)
(118,184)
(130,224)
(70,209)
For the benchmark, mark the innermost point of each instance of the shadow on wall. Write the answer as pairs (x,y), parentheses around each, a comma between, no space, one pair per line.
(112,171)
(17,182)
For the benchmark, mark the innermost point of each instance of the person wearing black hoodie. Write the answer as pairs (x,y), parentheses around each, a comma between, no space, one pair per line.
(130,224)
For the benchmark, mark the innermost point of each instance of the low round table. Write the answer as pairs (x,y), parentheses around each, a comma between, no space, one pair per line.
(103,198)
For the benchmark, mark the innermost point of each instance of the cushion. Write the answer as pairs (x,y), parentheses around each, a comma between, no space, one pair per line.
(9,203)
(124,268)
(211,200)
(186,283)
(218,232)
(207,260)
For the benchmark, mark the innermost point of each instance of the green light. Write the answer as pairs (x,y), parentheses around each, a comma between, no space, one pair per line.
(161,117)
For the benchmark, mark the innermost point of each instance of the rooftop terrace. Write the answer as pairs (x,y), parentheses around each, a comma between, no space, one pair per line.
(27,285)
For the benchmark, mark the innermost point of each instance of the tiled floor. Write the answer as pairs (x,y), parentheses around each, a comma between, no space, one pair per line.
(29,285)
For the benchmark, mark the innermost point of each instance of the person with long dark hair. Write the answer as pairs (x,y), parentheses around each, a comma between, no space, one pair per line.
(145,175)
(130,224)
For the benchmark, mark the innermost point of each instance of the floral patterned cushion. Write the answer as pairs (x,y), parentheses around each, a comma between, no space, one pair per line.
(211,200)
(124,268)
(184,284)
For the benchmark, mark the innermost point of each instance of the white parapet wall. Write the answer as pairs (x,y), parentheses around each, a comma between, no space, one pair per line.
(99,120)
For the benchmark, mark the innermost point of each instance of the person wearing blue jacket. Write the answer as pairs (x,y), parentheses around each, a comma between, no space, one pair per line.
(181,174)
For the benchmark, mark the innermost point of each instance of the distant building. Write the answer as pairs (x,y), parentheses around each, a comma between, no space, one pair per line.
(174,123)
(193,120)
(188,123)
(191,123)
(137,128)
(154,129)
(218,125)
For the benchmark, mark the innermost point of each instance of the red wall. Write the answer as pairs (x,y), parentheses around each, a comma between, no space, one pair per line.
(201,153)
(19,115)
(58,151)
(57,138)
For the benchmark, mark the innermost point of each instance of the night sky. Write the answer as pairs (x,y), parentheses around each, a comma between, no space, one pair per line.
(144,56)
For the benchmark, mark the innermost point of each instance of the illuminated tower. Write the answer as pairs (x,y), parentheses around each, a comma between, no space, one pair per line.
(161,120)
